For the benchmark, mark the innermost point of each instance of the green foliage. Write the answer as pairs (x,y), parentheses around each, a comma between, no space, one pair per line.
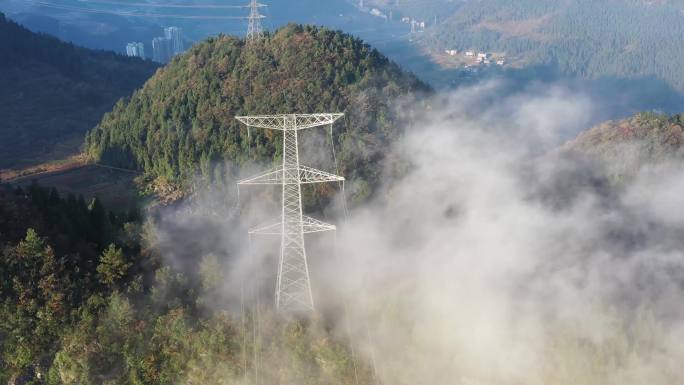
(35,295)
(113,266)
(52,92)
(119,318)
(72,225)
(131,340)
(181,123)
(45,280)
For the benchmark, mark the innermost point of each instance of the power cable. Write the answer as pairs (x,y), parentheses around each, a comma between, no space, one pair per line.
(256,315)
(345,209)
(130,14)
(161,5)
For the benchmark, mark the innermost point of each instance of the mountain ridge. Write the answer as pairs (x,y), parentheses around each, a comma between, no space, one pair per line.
(52,92)
(181,123)
(627,145)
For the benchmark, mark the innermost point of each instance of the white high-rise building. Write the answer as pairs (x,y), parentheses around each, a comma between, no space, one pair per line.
(162,51)
(175,35)
(135,49)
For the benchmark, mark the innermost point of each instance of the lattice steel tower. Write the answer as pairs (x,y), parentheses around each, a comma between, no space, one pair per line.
(293,289)
(254,29)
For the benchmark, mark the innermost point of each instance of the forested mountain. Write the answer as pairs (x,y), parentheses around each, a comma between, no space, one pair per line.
(182,122)
(613,38)
(629,144)
(52,92)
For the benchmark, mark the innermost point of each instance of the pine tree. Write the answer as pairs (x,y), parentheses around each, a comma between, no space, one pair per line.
(112,267)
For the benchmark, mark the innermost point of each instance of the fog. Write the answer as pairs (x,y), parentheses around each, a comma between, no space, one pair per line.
(489,256)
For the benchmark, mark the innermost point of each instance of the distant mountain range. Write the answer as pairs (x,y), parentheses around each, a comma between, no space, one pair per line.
(586,38)
(52,92)
(612,39)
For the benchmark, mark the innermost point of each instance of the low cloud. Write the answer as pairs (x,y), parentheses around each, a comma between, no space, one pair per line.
(499,260)
(496,258)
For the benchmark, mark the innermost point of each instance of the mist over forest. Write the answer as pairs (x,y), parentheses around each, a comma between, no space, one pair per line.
(349,198)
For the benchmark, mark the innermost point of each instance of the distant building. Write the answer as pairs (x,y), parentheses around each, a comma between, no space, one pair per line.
(378,13)
(176,36)
(500,62)
(470,53)
(167,46)
(135,49)
(451,52)
(406,20)
(162,50)
(481,55)
(417,25)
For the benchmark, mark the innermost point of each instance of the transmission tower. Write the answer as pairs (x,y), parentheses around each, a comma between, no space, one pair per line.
(254,29)
(293,288)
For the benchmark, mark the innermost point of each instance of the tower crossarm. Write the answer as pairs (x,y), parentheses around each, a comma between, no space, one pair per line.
(313,225)
(306,175)
(274,176)
(312,175)
(289,122)
(309,225)
(315,120)
(268,229)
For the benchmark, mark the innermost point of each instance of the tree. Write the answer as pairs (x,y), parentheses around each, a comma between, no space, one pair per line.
(113,266)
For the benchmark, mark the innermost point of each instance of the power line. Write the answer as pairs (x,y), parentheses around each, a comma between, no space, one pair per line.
(158,5)
(130,14)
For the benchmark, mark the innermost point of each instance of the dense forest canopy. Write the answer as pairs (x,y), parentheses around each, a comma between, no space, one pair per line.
(614,38)
(86,298)
(52,92)
(182,122)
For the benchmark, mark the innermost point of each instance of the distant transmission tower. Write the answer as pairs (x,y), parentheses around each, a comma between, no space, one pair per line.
(254,30)
(293,289)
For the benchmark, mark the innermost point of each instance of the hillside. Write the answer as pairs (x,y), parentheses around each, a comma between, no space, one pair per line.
(181,123)
(627,145)
(85,299)
(52,92)
(592,39)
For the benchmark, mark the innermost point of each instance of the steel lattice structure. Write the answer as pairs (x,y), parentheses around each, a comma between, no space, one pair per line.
(254,28)
(293,289)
